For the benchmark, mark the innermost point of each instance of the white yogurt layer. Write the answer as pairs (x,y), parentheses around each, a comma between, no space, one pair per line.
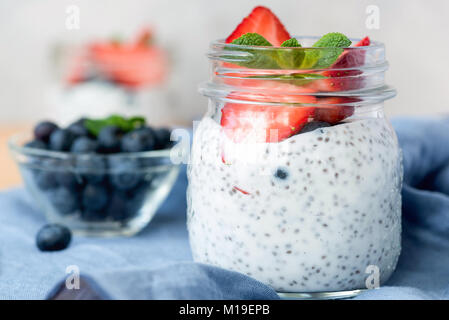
(321,206)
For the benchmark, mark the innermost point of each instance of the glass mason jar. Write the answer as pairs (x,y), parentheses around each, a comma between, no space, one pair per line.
(295,175)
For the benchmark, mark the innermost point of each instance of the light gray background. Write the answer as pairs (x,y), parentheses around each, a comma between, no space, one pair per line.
(415,33)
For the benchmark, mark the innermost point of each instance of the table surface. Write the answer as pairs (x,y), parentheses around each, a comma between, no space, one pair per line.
(9,176)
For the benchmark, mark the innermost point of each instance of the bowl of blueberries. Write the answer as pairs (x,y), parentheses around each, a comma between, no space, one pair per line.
(99,177)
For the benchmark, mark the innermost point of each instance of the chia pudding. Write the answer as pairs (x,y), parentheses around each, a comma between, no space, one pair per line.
(311,218)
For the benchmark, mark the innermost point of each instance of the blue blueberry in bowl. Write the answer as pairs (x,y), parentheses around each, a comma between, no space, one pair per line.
(109,139)
(138,140)
(78,129)
(44,173)
(64,201)
(95,197)
(69,180)
(45,180)
(117,207)
(43,130)
(162,138)
(136,199)
(53,237)
(125,173)
(61,140)
(84,145)
(91,168)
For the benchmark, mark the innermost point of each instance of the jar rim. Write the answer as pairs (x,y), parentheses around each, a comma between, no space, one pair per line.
(239,73)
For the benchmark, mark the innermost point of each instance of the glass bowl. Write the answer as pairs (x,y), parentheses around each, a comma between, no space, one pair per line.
(94,194)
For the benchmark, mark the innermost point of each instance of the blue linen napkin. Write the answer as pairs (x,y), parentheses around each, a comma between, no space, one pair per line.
(156,264)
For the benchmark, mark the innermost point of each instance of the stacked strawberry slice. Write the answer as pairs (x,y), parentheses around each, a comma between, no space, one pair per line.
(134,64)
(264,22)
(276,123)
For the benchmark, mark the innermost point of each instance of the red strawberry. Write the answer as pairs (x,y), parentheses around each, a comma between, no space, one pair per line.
(363,43)
(338,80)
(264,22)
(332,109)
(130,65)
(256,123)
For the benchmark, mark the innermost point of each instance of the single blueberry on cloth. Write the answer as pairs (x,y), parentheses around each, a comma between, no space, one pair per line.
(157,263)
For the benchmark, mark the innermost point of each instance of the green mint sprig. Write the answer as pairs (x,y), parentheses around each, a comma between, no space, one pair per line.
(332,44)
(94,126)
(273,58)
(257,59)
(290,59)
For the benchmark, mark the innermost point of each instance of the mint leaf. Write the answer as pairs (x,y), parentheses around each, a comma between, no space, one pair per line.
(332,44)
(293,42)
(94,126)
(268,58)
(290,58)
(258,59)
(252,39)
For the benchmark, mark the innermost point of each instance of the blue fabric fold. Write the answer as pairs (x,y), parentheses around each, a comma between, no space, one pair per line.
(157,263)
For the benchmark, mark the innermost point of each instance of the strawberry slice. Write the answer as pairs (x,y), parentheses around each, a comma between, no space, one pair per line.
(258,123)
(332,109)
(339,80)
(264,22)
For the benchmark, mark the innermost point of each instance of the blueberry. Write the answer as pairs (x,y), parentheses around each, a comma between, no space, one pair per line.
(43,130)
(281,173)
(95,197)
(84,145)
(162,136)
(53,237)
(138,140)
(92,168)
(314,125)
(125,173)
(78,129)
(68,180)
(117,208)
(61,140)
(109,139)
(45,175)
(36,144)
(45,179)
(136,199)
(63,200)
